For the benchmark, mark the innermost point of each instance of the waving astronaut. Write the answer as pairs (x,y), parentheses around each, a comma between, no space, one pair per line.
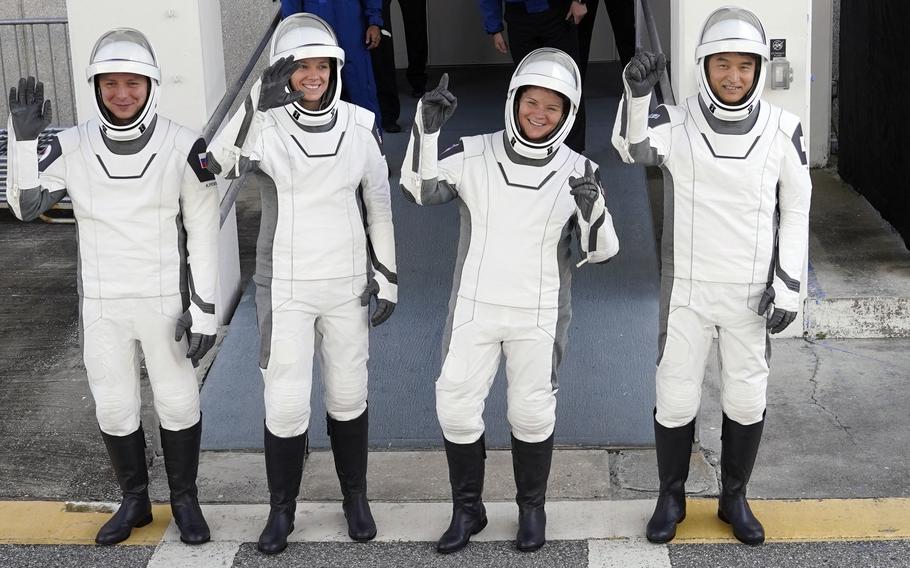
(326,246)
(522,193)
(734,245)
(147,225)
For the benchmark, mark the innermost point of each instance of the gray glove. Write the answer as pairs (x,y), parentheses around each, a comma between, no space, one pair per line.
(643,72)
(273,92)
(198,343)
(438,106)
(384,308)
(30,112)
(779,319)
(585,190)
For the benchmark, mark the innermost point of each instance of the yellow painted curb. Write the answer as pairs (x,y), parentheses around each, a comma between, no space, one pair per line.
(804,520)
(47,522)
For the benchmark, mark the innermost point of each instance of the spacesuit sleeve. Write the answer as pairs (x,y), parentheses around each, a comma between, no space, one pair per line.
(34,184)
(794,197)
(428,178)
(639,136)
(373,11)
(237,149)
(377,203)
(199,211)
(491,10)
(597,236)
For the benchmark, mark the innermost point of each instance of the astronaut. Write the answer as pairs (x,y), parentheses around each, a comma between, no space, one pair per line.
(147,226)
(521,193)
(326,246)
(734,245)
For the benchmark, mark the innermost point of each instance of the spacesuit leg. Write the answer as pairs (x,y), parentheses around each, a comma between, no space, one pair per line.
(173,382)
(468,371)
(531,362)
(745,352)
(171,374)
(288,375)
(343,346)
(681,368)
(110,353)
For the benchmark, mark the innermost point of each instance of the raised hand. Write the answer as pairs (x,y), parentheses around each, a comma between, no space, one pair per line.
(585,190)
(438,106)
(643,72)
(29,111)
(273,92)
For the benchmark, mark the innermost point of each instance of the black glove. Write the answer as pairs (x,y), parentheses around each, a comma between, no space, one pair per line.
(779,318)
(438,106)
(643,72)
(273,92)
(30,112)
(384,308)
(585,190)
(199,344)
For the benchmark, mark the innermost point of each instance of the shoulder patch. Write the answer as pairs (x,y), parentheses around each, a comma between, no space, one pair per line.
(455,148)
(198,161)
(49,154)
(660,116)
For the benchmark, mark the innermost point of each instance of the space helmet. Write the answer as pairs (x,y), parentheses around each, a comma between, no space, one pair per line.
(731,29)
(552,69)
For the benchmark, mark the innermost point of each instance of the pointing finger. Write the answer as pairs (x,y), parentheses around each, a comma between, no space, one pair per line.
(443,82)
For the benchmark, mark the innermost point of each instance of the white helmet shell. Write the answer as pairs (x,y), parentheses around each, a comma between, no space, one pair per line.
(124,50)
(552,69)
(731,29)
(303,36)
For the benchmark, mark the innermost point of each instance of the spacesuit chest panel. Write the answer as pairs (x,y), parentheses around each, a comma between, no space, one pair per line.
(723,201)
(517,215)
(319,229)
(126,207)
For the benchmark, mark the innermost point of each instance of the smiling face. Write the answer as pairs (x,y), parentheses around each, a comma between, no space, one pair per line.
(731,75)
(539,112)
(312,78)
(123,95)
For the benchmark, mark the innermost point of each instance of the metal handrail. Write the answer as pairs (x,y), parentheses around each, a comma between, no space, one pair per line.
(644,15)
(221,111)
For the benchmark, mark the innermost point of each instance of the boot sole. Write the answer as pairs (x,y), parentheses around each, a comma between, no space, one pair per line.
(475,530)
(534,548)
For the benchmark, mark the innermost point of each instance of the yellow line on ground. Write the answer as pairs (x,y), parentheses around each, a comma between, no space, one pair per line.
(804,520)
(46,522)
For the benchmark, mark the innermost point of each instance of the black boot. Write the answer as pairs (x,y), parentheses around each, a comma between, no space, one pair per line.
(531,463)
(739,446)
(674,447)
(284,469)
(181,461)
(469,517)
(349,448)
(127,455)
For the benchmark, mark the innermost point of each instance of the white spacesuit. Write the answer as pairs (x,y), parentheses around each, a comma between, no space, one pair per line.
(734,243)
(519,205)
(326,244)
(147,226)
